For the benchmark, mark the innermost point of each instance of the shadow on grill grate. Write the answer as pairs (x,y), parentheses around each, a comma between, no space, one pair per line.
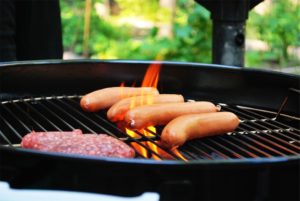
(259,134)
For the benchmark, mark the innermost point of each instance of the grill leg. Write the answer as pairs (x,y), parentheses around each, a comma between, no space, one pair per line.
(229,43)
(229,18)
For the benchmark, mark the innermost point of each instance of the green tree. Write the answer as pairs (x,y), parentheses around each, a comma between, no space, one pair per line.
(279,27)
(191,39)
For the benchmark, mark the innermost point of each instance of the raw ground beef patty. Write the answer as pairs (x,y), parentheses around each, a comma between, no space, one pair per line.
(75,142)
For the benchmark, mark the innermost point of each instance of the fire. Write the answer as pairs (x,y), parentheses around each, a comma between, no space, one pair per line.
(150,80)
(177,153)
(141,150)
(122,84)
(152,75)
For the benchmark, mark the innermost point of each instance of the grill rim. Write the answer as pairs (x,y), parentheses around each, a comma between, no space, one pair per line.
(141,161)
(36,64)
(62,68)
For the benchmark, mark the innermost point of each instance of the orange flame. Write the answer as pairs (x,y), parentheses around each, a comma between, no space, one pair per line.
(141,150)
(150,80)
(152,75)
(177,153)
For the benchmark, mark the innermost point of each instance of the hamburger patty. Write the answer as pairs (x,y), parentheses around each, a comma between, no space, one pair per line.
(75,142)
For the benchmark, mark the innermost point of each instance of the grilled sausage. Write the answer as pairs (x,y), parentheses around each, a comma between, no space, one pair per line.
(192,126)
(106,97)
(161,114)
(119,109)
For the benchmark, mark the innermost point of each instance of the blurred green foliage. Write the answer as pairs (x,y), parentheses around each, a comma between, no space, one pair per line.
(103,35)
(143,9)
(72,24)
(279,27)
(110,39)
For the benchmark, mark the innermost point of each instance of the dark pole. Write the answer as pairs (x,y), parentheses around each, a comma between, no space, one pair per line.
(229,19)
(228,43)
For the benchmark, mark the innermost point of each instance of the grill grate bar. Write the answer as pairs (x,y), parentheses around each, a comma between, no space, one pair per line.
(41,115)
(187,155)
(104,120)
(276,145)
(11,127)
(16,118)
(263,120)
(57,116)
(263,145)
(5,138)
(202,154)
(142,136)
(108,124)
(83,116)
(254,138)
(233,153)
(273,142)
(94,115)
(252,155)
(29,117)
(220,146)
(243,142)
(278,130)
(87,118)
(129,138)
(273,119)
(158,145)
(155,134)
(254,131)
(70,116)
(192,152)
(77,111)
(288,146)
(215,152)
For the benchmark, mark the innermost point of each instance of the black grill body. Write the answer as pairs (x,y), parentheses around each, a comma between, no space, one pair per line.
(273,178)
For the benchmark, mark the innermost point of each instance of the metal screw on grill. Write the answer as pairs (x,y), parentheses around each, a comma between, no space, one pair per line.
(239,39)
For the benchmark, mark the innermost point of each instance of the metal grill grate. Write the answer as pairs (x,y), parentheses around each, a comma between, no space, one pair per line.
(259,134)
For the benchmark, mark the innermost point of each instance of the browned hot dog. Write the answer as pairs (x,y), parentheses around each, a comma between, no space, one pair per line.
(106,97)
(161,114)
(119,109)
(192,126)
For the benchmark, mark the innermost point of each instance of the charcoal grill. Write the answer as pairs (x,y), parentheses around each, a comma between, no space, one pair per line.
(258,161)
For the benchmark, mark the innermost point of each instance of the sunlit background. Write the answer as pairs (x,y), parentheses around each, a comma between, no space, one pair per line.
(177,30)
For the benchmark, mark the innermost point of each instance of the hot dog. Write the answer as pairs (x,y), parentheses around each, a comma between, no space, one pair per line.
(161,114)
(119,109)
(105,98)
(192,126)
